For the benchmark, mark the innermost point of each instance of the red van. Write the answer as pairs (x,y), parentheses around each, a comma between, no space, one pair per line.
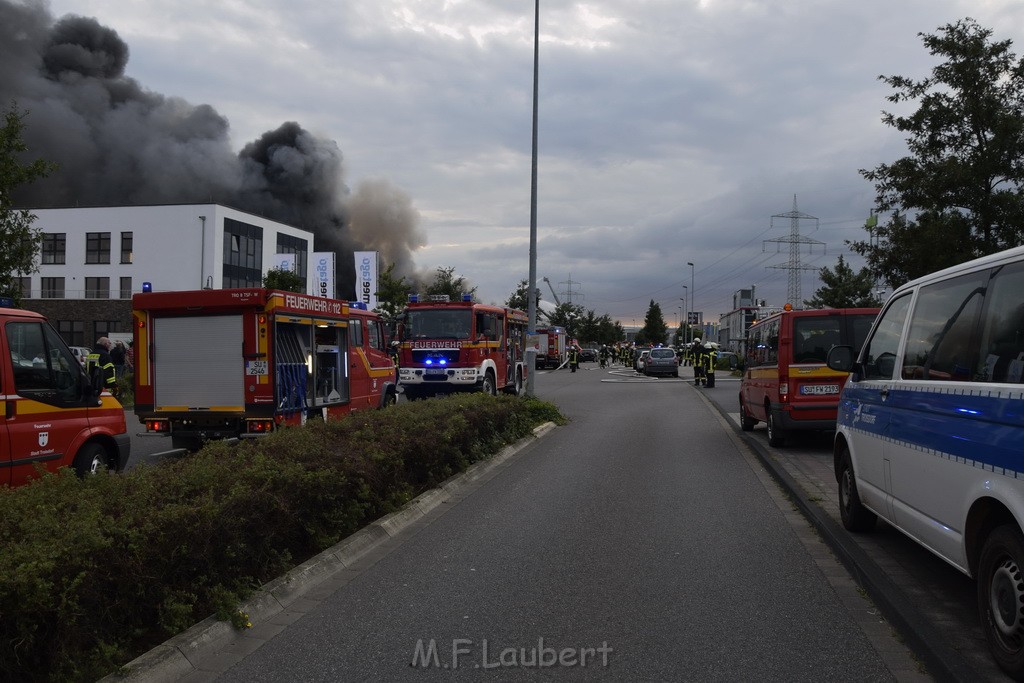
(53,415)
(786,383)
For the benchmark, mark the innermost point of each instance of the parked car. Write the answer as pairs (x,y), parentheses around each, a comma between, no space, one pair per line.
(80,352)
(661,361)
(639,358)
(588,355)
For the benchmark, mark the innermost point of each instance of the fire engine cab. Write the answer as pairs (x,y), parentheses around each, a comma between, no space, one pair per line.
(449,346)
(212,364)
(54,414)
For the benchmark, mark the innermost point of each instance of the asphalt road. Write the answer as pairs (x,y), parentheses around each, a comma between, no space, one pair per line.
(643,538)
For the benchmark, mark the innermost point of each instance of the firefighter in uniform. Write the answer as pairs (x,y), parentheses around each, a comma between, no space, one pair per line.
(574,358)
(99,366)
(603,353)
(695,350)
(710,357)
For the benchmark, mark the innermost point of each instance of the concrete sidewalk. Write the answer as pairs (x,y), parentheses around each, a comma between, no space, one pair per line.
(932,605)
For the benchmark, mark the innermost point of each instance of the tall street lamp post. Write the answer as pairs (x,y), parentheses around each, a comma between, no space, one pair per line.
(531,352)
(693,293)
(686,317)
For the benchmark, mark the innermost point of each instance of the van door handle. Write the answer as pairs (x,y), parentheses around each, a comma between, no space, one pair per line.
(884,392)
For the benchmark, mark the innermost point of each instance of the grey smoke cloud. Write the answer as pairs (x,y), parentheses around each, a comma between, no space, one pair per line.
(119,143)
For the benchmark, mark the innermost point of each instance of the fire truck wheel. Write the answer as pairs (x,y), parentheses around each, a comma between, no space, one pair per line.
(91,459)
(517,388)
(390,399)
(489,385)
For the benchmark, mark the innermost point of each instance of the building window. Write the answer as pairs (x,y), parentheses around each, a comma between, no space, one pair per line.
(97,288)
(243,254)
(126,288)
(97,247)
(53,247)
(25,286)
(73,332)
(286,244)
(126,247)
(103,328)
(51,287)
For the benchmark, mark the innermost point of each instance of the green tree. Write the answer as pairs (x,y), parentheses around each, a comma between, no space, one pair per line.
(21,241)
(568,316)
(445,282)
(392,295)
(520,297)
(654,331)
(285,280)
(957,195)
(842,288)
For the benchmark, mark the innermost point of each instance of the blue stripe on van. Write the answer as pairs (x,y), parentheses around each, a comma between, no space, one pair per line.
(984,426)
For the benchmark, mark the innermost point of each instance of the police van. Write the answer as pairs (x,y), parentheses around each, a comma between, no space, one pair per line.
(930,431)
(54,414)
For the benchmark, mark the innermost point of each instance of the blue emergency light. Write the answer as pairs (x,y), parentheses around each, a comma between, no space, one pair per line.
(414,298)
(147,287)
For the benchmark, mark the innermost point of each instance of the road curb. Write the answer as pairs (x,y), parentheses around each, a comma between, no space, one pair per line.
(942,660)
(175,658)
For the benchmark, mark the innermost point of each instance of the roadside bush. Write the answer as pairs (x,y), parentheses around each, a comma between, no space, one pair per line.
(94,572)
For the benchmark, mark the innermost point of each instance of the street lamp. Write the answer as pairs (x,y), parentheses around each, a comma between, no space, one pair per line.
(686,316)
(531,312)
(693,293)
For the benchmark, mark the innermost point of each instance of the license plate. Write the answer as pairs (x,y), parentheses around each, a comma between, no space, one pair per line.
(819,389)
(435,371)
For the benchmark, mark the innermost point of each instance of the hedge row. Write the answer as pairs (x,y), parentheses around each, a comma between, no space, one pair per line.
(95,572)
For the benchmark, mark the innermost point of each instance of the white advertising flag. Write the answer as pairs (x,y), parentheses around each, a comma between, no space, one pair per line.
(366,278)
(284,262)
(323,274)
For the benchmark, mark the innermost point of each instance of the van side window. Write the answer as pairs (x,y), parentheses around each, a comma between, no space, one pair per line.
(940,343)
(376,339)
(1002,340)
(878,357)
(355,333)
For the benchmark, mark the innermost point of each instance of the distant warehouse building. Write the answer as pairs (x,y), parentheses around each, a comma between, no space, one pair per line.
(93,259)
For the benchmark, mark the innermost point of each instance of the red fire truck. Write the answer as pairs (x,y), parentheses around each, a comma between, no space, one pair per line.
(213,364)
(449,346)
(551,345)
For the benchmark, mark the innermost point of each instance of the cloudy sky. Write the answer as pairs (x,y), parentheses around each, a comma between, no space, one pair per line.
(670,131)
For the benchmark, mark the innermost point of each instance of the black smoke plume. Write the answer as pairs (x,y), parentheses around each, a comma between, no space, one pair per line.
(117,143)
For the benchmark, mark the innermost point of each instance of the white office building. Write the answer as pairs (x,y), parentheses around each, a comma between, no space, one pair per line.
(93,259)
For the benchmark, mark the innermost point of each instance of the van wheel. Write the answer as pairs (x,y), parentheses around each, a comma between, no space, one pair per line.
(746,421)
(776,437)
(489,386)
(1001,597)
(390,399)
(92,459)
(855,516)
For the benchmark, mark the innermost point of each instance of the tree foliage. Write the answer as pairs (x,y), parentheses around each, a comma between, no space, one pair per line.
(392,295)
(20,240)
(283,279)
(445,282)
(842,288)
(957,195)
(654,331)
(520,298)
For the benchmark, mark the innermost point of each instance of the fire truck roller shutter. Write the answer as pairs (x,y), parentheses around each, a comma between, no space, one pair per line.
(198,361)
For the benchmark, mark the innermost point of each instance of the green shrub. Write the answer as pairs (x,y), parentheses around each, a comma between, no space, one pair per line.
(96,571)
